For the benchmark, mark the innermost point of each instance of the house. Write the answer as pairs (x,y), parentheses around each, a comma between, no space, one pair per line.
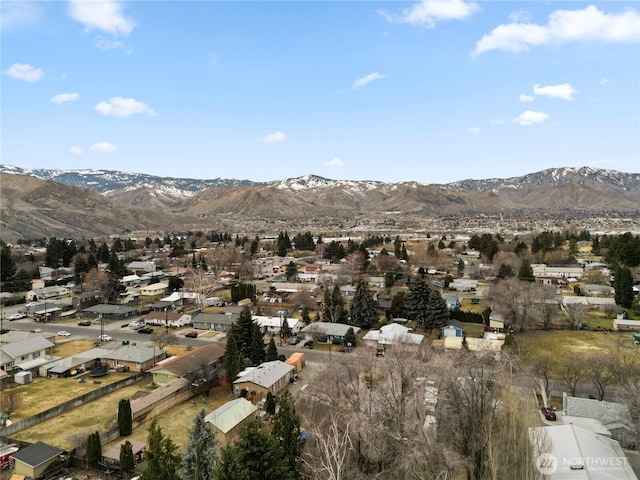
(452,300)
(229,419)
(464,285)
(112,456)
(109,312)
(133,357)
(610,419)
(603,290)
(131,280)
(140,266)
(267,377)
(37,460)
(172,319)
(46,292)
(452,331)
(154,289)
(218,322)
(200,363)
(577,453)
(25,354)
(392,334)
(327,331)
(273,325)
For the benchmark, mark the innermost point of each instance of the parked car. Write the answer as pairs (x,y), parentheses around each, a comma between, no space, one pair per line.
(192,335)
(548,413)
(31,304)
(84,323)
(294,340)
(16,316)
(105,338)
(145,330)
(136,325)
(63,333)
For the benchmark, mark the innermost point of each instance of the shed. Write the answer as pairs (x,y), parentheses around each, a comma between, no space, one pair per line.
(228,420)
(23,378)
(296,360)
(37,459)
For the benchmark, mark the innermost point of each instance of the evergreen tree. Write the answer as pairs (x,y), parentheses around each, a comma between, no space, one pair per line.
(7,263)
(437,311)
(363,307)
(465,343)
(525,272)
(286,431)
(103,253)
(505,271)
(127,458)
(198,463)
(272,351)
(337,304)
(162,456)
(254,456)
(94,449)
(270,404)
(285,329)
(350,338)
(397,247)
(292,271)
(398,307)
(125,417)
(233,360)
(403,254)
(623,285)
(418,302)
(257,350)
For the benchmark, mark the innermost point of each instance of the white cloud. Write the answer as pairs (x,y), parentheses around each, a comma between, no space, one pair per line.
(429,12)
(604,81)
(103,44)
(73,150)
(530,118)
(24,71)
(361,82)
(587,25)
(16,14)
(274,137)
(335,163)
(526,98)
(103,147)
(500,121)
(123,107)
(64,97)
(563,91)
(104,15)
(473,130)
(519,16)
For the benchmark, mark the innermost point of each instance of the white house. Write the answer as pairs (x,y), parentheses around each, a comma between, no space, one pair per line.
(392,334)
(273,325)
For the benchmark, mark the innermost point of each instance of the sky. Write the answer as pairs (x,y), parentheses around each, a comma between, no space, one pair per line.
(432,91)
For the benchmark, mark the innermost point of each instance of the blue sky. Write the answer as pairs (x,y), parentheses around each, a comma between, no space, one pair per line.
(432,91)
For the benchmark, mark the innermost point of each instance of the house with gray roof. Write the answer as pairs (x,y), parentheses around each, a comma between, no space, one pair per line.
(36,460)
(610,419)
(109,312)
(200,363)
(218,322)
(35,350)
(229,419)
(319,331)
(267,377)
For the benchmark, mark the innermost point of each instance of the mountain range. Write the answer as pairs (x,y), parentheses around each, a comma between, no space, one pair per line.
(87,202)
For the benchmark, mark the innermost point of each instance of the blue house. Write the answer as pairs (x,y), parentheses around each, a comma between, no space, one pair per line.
(452,300)
(454,328)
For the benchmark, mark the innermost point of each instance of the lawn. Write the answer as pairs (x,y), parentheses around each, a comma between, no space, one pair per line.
(44,393)
(90,417)
(473,330)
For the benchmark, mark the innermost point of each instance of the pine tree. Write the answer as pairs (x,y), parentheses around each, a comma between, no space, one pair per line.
(270,404)
(339,313)
(125,417)
(198,463)
(254,456)
(162,456)
(127,458)
(623,285)
(465,343)
(94,449)
(285,329)
(437,311)
(350,338)
(272,351)
(525,272)
(257,350)
(286,431)
(233,360)
(363,307)
(418,302)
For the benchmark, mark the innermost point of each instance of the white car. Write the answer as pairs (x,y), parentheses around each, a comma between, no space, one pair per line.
(105,338)
(63,333)
(16,316)
(32,304)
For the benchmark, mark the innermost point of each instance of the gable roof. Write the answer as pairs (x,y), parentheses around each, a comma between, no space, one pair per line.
(230,414)
(37,454)
(191,361)
(24,347)
(611,414)
(394,333)
(328,328)
(266,374)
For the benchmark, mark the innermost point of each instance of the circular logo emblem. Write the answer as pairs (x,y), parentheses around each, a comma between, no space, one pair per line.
(546,463)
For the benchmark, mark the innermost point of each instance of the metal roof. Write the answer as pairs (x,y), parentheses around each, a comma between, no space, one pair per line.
(230,414)
(266,374)
(24,347)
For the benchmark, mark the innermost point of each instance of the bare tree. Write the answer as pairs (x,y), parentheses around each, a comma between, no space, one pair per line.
(576,313)
(541,369)
(163,339)
(512,298)
(10,401)
(599,370)
(570,372)
(203,285)
(97,281)
(547,303)
(327,459)
(303,298)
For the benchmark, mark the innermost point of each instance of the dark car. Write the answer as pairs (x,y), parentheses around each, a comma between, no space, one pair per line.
(145,330)
(85,323)
(191,335)
(548,413)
